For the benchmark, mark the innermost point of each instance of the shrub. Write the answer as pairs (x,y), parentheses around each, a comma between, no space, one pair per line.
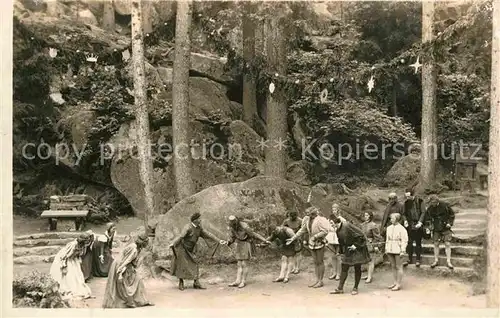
(37,290)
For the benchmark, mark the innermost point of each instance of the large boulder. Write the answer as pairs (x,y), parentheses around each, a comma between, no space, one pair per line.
(263,201)
(207,65)
(238,160)
(404,171)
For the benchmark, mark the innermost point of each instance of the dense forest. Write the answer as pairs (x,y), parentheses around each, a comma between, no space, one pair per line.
(338,73)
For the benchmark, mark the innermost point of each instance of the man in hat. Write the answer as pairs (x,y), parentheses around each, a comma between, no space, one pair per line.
(241,235)
(414,213)
(125,287)
(184,263)
(441,217)
(394,206)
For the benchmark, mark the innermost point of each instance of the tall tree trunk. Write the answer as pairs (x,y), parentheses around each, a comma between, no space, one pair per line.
(52,8)
(108,16)
(147,21)
(429,114)
(141,110)
(394,99)
(180,103)
(493,253)
(276,101)
(249,82)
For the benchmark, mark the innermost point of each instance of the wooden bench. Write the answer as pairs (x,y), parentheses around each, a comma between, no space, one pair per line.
(76,216)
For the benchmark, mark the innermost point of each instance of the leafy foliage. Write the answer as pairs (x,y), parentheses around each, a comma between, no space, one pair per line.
(37,290)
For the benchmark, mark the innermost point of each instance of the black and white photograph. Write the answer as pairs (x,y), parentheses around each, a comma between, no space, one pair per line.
(244,155)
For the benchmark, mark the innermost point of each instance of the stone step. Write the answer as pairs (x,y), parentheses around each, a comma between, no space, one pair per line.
(58,235)
(36,251)
(467,233)
(469,223)
(443,271)
(42,242)
(428,259)
(471,216)
(33,259)
(462,250)
(479,212)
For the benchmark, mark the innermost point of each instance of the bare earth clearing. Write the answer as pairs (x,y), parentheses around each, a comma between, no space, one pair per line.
(419,291)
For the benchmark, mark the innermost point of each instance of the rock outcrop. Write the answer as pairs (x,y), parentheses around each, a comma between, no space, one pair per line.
(264,201)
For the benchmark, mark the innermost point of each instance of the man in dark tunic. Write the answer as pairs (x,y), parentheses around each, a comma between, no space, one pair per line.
(184,264)
(354,251)
(294,223)
(288,252)
(394,206)
(414,215)
(441,218)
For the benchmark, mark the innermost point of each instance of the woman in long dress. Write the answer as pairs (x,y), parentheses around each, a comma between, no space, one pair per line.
(125,287)
(66,269)
(102,252)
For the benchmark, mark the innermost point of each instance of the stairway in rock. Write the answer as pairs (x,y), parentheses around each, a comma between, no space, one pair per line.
(469,226)
(42,247)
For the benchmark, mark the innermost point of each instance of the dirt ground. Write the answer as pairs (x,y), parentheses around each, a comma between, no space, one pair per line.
(423,292)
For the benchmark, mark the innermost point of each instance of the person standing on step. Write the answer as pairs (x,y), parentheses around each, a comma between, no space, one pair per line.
(354,252)
(374,239)
(294,223)
(334,245)
(125,287)
(184,263)
(241,234)
(102,252)
(395,248)
(394,206)
(414,215)
(441,217)
(288,252)
(317,228)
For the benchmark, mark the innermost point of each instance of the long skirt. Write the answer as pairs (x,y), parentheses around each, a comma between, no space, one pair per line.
(184,264)
(119,290)
(87,265)
(72,284)
(101,269)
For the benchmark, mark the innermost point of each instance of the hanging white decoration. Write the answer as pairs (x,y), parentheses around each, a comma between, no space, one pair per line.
(371,84)
(402,61)
(324,96)
(309,196)
(416,65)
(91,58)
(52,52)
(125,55)
(271,88)
(276,74)
(331,80)
(297,81)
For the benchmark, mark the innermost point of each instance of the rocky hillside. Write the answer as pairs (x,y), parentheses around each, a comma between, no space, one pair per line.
(73,92)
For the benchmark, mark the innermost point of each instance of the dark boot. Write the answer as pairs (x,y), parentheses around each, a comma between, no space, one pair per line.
(181,284)
(197,285)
